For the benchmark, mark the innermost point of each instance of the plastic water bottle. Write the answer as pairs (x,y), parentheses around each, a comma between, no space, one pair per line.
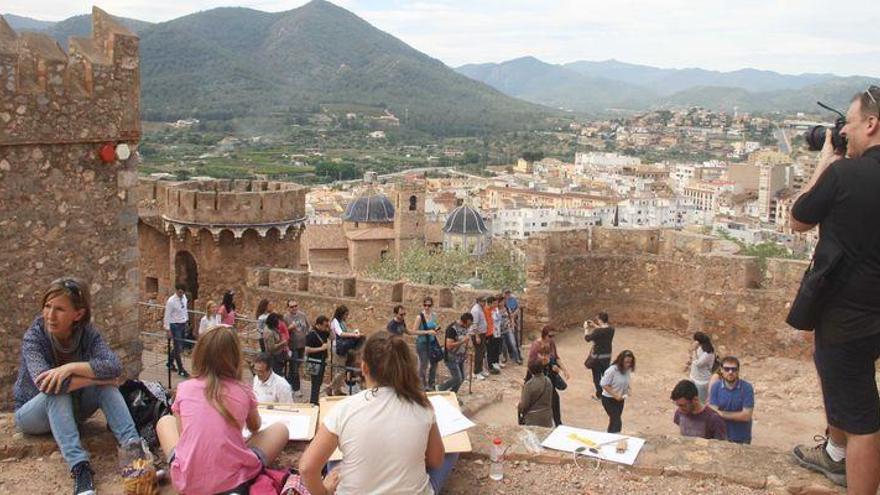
(496,456)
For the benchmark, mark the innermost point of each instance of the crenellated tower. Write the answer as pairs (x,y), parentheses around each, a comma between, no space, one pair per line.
(69,129)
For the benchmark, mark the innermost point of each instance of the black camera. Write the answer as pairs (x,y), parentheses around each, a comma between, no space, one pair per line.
(816,135)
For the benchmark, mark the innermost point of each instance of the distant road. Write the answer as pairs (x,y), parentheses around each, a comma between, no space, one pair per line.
(782,140)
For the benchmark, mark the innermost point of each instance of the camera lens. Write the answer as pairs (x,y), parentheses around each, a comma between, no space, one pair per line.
(816,137)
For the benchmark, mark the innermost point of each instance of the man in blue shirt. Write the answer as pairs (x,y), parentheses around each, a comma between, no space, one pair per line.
(734,399)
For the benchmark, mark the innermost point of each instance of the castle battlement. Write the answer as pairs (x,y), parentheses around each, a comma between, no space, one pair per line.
(218,205)
(90,94)
(666,279)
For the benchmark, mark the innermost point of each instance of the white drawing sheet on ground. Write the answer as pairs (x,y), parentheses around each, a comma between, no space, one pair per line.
(568,439)
(297,424)
(449,419)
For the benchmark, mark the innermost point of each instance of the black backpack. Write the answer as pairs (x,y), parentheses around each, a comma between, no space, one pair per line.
(147,402)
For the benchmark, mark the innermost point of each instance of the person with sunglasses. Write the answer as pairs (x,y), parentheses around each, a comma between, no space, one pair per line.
(734,400)
(67,373)
(843,198)
(427,327)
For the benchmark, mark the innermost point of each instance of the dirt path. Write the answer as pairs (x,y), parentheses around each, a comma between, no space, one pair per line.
(788,404)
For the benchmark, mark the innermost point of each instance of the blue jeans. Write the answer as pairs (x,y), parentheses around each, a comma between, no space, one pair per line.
(425,364)
(178,333)
(509,342)
(47,413)
(436,476)
(455,366)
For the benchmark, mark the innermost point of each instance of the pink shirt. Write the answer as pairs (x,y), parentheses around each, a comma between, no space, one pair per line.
(283,331)
(226,318)
(211,456)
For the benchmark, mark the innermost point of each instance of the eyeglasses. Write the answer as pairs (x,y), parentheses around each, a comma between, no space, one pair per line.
(71,286)
(730,369)
(429,305)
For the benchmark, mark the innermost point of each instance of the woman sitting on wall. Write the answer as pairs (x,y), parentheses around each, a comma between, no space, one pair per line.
(393,406)
(67,373)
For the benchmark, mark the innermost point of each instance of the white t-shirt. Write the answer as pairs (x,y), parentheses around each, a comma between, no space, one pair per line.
(336,327)
(207,322)
(701,366)
(275,389)
(383,440)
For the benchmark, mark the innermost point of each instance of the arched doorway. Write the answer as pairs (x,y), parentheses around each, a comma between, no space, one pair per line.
(186,272)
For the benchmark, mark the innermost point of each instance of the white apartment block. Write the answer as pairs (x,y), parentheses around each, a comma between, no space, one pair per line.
(583,161)
(659,212)
(522,223)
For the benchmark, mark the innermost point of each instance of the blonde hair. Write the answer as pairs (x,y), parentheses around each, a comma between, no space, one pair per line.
(217,356)
(208,306)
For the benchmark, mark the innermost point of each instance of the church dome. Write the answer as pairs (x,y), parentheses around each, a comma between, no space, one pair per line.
(465,220)
(370,208)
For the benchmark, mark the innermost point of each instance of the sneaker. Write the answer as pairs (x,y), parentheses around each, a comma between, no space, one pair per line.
(480,376)
(817,459)
(495,371)
(82,479)
(496,366)
(183,374)
(502,365)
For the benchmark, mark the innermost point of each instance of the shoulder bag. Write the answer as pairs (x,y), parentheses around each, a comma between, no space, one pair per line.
(313,366)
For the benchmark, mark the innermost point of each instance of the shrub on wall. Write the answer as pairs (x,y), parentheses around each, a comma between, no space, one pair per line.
(497,270)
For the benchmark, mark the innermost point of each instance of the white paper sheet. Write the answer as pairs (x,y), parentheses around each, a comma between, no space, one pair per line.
(297,424)
(568,439)
(449,419)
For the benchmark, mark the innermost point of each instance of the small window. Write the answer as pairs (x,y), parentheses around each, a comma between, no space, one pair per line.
(151,285)
(412,203)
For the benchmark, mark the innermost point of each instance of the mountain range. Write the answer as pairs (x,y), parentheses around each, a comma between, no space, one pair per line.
(231,63)
(228,63)
(608,85)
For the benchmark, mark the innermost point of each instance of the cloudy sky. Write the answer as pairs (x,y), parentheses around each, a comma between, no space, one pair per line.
(790,36)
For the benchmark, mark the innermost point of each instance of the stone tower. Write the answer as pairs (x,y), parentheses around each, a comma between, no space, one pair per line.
(409,218)
(67,206)
(205,234)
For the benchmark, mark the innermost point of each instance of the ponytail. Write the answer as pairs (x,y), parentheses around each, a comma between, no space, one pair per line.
(391,363)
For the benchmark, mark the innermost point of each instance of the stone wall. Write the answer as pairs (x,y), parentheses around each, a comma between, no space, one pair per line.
(226,201)
(662,279)
(370,302)
(64,211)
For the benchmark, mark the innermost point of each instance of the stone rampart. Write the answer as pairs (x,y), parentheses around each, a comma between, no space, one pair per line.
(65,211)
(224,202)
(662,279)
(88,95)
(369,301)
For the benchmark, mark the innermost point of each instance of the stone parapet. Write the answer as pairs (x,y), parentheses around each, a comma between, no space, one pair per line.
(88,95)
(224,205)
(662,279)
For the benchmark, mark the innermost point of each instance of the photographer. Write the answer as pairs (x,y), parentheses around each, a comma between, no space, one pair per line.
(601,334)
(843,198)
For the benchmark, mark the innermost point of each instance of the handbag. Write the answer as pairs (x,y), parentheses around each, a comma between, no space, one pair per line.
(555,378)
(591,360)
(435,352)
(806,308)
